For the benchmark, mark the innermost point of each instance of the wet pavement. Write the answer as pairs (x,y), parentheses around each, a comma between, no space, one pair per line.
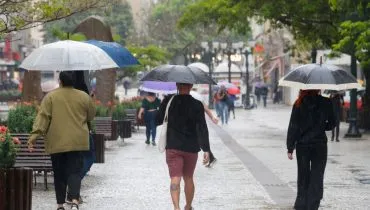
(252,171)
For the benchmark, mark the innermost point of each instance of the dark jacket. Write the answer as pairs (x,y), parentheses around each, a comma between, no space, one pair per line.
(309,121)
(187,128)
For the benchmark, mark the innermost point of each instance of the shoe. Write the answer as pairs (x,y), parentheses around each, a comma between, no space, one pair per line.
(147,142)
(60,208)
(69,200)
(74,207)
(153,143)
(337,140)
(211,162)
(191,208)
(332,139)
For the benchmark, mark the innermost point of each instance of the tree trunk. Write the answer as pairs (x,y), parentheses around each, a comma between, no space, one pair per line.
(94,27)
(105,85)
(366,101)
(32,86)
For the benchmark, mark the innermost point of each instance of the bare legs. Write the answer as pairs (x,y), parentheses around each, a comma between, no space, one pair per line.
(189,191)
(175,192)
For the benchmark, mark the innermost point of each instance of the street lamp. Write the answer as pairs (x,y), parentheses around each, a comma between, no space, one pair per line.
(208,59)
(229,49)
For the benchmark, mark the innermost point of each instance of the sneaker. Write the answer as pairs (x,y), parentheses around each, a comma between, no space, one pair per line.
(337,140)
(211,162)
(74,207)
(153,143)
(147,142)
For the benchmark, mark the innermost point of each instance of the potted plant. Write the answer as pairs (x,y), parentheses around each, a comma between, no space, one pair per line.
(15,183)
(8,148)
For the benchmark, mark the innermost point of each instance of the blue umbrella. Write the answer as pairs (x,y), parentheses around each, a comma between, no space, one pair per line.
(117,52)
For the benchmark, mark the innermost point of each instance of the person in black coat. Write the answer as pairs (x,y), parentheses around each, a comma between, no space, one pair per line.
(311,116)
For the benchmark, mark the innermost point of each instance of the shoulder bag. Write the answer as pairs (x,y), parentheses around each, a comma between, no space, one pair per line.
(162,143)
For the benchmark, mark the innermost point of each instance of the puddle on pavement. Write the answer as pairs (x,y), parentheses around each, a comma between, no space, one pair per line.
(364,181)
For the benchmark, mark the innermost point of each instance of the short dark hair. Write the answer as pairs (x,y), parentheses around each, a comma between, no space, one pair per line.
(67,78)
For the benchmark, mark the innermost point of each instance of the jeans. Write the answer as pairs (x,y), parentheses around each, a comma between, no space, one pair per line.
(224,112)
(311,160)
(67,167)
(264,98)
(218,109)
(151,128)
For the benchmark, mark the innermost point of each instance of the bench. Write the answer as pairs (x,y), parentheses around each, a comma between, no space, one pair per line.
(38,160)
(131,115)
(106,126)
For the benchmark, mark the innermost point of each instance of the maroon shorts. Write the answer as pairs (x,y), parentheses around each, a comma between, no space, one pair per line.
(181,163)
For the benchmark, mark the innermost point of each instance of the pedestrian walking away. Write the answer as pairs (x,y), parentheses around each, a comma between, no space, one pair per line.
(149,108)
(231,104)
(88,156)
(337,100)
(63,118)
(264,92)
(311,116)
(187,133)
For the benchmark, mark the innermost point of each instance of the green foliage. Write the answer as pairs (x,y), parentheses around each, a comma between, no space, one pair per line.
(313,22)
(18,15)
(119,112)
(21,118)
(8,148)
(61,35)
(102,111)
(10,93)
(117,14)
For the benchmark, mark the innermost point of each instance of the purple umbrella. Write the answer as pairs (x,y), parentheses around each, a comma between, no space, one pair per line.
(159,87)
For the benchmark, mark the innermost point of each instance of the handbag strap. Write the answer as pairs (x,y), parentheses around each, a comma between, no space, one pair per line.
(166,113)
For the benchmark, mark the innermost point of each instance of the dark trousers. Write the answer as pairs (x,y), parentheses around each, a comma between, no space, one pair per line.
(335,131)
(264,98)
(67,167)
(311,160)
(151,128)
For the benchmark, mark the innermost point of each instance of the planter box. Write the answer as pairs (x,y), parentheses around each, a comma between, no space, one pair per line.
(99,143)
(124,128)
(16,189)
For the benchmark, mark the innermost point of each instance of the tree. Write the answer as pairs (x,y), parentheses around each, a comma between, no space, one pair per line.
(22,14)
(117,15)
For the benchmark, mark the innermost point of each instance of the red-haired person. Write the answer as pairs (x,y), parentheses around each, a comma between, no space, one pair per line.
(311,116)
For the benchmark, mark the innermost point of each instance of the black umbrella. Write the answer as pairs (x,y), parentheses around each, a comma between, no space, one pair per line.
(320,76)
(178,74)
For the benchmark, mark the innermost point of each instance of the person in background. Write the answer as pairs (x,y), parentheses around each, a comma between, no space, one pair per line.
(337,100)
(231,104)
(216,102)
(311,116)
(126,86)
(62,119)
(264,92)
(149,108)
(223,97)
(187,133)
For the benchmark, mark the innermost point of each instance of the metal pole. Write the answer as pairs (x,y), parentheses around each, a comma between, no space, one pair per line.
(229,64)
(247,91)
(353,131)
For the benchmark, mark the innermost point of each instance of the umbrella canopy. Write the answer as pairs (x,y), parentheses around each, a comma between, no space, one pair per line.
(178,74)
(117,52)
(233,91)
(49,86)
(227,85)
(319,76)
(68,56)
(159,87)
